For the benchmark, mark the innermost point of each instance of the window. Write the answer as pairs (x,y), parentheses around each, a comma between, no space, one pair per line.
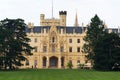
(44,30)
(53,39)
(78,49)
(78,40)
(30,40)
(78,62)
(27,62)
(70,61)
(61,49)
(53,48)
(44,49)
(70,40)
(35,63)
(63,20)
(70,49)
(44,61)
(35,49)
(35,40)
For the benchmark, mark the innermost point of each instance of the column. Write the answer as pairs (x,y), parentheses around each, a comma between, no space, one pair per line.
(59,62)
(47,65)
(65,61)
(40,62)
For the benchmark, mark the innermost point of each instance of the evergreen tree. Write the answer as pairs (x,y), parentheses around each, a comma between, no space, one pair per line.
(94,32)
(13,43)
(103,48)
(107,52)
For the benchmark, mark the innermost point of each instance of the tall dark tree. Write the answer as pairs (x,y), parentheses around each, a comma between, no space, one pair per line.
(95,30)
(13,43)
(103,48)
(107,52)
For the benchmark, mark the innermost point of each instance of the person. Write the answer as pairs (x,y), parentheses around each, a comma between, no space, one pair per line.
(116,67)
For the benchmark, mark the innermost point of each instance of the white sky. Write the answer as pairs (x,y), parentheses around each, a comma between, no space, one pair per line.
(30,10)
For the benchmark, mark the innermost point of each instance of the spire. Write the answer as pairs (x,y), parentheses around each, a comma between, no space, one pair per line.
(52,8)
(76,21)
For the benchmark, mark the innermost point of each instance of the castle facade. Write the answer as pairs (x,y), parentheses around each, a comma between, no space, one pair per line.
(55,44)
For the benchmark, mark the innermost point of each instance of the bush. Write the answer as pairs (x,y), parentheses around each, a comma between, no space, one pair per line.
(80,66)
(69,65)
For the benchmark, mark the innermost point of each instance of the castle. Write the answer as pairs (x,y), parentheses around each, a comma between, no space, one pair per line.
(56,44)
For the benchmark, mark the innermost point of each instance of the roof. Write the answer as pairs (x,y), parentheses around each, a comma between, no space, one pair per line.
(71,29)
(37,29)
(115,30)
(67,29)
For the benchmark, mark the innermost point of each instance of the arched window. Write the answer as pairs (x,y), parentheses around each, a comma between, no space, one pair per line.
(27,62)
(78,61)
(53,39)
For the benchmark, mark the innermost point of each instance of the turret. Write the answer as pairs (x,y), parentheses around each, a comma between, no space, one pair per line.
(42,17)
(30,25)
(62,15)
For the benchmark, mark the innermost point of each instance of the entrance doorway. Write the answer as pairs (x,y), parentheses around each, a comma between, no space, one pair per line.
(53,61)
(44,61)
(62,61)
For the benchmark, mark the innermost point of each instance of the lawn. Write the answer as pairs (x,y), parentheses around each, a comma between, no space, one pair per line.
(58,74)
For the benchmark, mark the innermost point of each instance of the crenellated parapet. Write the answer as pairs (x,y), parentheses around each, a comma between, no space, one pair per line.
(53,21)
(62,12)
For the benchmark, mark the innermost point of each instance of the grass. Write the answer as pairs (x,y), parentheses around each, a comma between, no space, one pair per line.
(58,74)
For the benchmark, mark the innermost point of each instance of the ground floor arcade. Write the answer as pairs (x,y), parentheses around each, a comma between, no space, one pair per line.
(53,61)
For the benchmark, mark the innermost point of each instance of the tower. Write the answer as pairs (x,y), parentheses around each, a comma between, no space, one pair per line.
(63,15)
(42,17)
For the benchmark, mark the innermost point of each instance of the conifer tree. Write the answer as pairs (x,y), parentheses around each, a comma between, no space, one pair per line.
(95,30)
(107,52)
(13,43)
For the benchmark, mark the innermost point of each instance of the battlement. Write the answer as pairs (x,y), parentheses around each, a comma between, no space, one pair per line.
(57,22)
(30,25)
(62,12)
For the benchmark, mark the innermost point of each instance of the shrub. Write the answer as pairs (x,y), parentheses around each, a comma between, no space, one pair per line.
(80,66)
(69,65)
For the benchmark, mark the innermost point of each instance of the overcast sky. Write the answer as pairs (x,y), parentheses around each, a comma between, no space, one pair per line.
(30,10)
